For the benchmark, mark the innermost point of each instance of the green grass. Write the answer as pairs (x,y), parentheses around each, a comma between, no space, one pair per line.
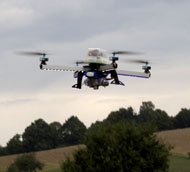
(179,163)
(47,168)
(51,168)
(2,169)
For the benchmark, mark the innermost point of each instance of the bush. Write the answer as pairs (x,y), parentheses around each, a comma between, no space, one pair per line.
(25,163)
(188,155)
(13,168)
(120,147)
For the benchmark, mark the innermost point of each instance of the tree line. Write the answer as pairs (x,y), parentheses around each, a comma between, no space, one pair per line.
(149,114)
(118,147)
(42,136)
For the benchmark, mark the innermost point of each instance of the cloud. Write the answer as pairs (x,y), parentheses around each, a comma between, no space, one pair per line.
(16,101)
(67,29)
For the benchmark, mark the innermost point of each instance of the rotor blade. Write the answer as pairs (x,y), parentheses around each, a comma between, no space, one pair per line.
(27,53)
(81,62)
(126,52)
(139,61)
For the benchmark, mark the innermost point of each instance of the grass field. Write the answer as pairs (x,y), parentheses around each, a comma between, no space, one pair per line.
(180,139)
(179,161)
(51,168)
(51,158)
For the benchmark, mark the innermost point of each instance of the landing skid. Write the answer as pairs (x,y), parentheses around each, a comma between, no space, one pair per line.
(76,86)
(117,82)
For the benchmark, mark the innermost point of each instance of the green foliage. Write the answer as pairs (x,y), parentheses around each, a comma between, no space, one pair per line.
(37,136)
(56,134)
(120,147)
(179,163)
(182,119)
(14,145)
(147,107)
(73,131)
(42,136)
(156,117)
(13,168)
(3,151)
(188,155)
(146,113)
(25,163)
(121,114)
(162,120)
(68,166)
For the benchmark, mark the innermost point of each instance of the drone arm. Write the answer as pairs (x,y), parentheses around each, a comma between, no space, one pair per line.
(67,68)
(133,74)
(61,68)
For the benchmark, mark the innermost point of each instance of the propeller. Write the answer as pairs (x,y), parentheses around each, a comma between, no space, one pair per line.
(139,61)
(126,53)
(81,62)
(32,53)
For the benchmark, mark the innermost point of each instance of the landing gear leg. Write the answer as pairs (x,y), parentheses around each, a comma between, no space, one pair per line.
(116,79)
(42,63)
(79,81)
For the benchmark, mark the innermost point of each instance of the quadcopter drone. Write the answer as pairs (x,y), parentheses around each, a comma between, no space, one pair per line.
(98,68)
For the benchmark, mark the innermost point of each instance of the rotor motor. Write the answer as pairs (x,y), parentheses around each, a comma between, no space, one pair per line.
(146,68)
(44,59)
(114,59)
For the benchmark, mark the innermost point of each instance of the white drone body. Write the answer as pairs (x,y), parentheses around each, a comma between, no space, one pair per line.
(98,68)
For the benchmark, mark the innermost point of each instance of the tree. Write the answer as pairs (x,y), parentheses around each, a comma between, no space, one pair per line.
(120,147)
(3,151)
(56,133)
(73,131)
(146,112)
(121,114)
(15,145)
(37,136)
(13,168)
(182,119)
(162,120)
(25,163)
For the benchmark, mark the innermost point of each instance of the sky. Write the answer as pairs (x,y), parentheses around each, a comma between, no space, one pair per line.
(66,29)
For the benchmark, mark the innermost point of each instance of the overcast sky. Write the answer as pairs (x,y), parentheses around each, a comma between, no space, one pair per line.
(66,29)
